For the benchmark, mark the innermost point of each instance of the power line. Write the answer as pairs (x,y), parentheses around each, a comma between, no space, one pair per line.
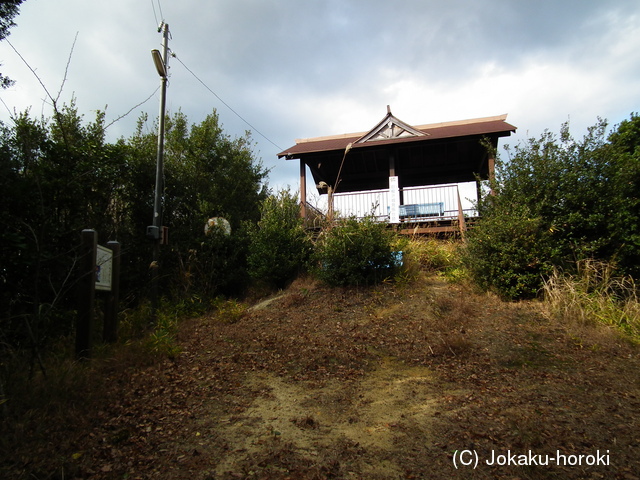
(160,9)
(154,12)
(226,104)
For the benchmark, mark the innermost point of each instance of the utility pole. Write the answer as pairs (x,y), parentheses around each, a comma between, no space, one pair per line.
(155,231)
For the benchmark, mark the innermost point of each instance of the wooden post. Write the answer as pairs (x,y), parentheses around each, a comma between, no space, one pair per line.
(110,330)
(461,222)
(86,293)
(393,172)
(303,190)
(330,205)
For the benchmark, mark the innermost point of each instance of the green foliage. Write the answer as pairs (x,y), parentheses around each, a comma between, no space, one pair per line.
(216,266)
(60,176)
(207,175)
(509,254)
(162,342)
(624,223)
(8,11)
(355,252)
(279,247)
(229,311)
(57,179)
(559,201)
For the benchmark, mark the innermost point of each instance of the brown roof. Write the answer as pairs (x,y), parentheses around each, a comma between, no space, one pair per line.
(461,128)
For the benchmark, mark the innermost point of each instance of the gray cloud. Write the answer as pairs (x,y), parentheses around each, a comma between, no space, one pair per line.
(298,69)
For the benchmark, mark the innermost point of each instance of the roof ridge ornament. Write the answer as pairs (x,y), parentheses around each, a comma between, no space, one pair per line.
(389,128)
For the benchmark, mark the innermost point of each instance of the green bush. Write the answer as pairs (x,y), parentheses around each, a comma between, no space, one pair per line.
(355,252)
(510,254)
(279,247)
(560,200)
(229,311)
(215,266)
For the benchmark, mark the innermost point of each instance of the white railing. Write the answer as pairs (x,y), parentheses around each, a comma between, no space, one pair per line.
(374,203)
(441,202)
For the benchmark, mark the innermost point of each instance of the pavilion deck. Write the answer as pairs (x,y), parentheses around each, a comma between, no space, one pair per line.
(422,210)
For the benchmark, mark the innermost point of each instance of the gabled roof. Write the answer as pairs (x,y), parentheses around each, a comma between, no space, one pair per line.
(391,130)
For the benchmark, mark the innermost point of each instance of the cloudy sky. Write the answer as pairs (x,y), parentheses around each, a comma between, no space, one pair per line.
(306,68)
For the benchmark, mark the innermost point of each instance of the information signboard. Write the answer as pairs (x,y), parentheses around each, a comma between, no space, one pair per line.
(104,263)
(394,200)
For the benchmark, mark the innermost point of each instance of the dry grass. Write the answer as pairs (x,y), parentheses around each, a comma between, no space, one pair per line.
(594,296)
(430,254)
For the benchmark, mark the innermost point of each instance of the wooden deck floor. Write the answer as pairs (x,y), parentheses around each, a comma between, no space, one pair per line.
(448,227)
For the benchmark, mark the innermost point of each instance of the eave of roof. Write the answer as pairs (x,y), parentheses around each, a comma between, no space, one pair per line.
(461,128)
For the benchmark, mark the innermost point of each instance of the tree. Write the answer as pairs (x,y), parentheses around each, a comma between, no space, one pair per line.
(8,11)
(624,147)
(207,174)
(56,178)
(558,201)
(59,177)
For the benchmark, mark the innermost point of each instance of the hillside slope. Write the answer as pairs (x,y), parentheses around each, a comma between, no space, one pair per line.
(386,382)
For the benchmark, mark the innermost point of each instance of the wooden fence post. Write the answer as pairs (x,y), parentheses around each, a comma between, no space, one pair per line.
(86,293)
(461,221)
(110,330)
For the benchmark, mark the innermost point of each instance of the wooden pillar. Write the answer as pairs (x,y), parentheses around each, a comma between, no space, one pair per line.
(86,293)
(303,190)
(461,221)
(393,172)
(110,327)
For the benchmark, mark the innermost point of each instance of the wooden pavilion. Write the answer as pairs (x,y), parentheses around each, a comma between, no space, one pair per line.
(403,174)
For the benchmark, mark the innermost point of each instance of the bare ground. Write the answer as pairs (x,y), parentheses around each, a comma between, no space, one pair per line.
(390,382)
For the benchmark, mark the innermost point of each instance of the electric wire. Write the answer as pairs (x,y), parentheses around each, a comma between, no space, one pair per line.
(160,10)
(154,12)
(226,104)
(55,100)
(153,6)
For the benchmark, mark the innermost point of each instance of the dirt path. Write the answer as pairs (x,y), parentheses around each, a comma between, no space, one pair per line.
(385,383)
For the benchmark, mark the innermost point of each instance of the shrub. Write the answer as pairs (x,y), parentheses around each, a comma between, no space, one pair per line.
(560,200)
(510,254)
(279,247)
(229,311)
(355,252)
(217,265)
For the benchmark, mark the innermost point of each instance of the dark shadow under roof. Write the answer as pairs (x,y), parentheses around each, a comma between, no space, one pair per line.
(449,152)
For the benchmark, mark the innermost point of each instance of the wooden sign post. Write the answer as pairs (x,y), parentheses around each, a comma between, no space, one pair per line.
(110,330)
(86,293)
(99,270)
